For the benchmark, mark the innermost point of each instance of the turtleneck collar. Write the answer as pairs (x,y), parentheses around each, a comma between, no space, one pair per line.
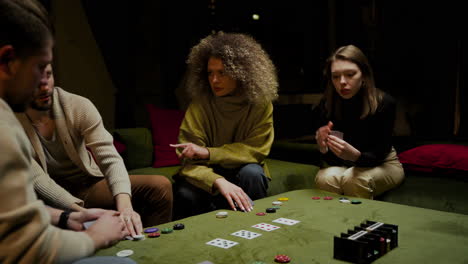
(230,103)
(349,108)
(354,102)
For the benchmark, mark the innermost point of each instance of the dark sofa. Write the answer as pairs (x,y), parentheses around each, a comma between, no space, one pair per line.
(435,190)
(138,157)
(294,164)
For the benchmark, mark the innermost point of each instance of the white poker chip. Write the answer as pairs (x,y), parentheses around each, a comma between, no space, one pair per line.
(344,201)
(125,253)
(277,203)
(138,237)
(222,214)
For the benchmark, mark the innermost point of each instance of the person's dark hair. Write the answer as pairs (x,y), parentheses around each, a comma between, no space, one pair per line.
(243,59)
(371,96)
(24,24)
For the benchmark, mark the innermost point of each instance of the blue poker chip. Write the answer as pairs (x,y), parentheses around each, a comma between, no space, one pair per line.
(151,230)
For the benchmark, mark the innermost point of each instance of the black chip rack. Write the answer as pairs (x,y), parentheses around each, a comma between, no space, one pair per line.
(366,243)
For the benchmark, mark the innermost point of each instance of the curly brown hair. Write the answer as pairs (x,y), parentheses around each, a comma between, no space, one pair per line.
(244,60)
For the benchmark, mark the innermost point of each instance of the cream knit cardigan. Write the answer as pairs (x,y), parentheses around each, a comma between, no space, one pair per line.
(79,125)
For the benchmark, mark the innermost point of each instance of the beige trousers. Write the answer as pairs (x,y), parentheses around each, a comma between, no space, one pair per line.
(365,182)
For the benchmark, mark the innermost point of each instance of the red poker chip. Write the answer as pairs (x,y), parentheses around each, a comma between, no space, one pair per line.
(282,259)
(328,198)
(155,234)
(315,198)
(261,214)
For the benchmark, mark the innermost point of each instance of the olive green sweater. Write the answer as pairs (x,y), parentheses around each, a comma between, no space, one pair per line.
(234,131)
(26,235)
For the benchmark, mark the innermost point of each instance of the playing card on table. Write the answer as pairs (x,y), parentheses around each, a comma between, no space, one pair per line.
(246,234)
(266,227)
(286,221)
(222,243)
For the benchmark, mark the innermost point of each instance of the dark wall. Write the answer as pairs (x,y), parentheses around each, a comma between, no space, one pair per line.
(417,53)
(417,49)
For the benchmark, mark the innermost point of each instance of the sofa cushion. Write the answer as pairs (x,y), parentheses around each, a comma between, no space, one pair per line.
(431,190)
(286,176)
(436,158)
(139,146)
(165,124)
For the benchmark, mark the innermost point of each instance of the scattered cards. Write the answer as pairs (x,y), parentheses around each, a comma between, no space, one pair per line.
(286,221)
(266,227)
(246,234)
(222,243)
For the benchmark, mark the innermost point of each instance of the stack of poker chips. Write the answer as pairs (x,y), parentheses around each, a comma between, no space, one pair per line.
(366,242)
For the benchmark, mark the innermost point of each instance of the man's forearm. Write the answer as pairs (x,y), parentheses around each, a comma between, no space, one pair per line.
(123,201)
(54,215)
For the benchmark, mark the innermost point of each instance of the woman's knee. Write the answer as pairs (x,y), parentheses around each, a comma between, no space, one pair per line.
(251,172)
(186,192)
(358,183)
(328,177)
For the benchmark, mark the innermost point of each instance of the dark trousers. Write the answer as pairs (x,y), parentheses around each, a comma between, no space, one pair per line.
(190,200)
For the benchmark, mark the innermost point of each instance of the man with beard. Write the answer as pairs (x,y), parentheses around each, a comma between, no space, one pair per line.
(27,231)
(77,166)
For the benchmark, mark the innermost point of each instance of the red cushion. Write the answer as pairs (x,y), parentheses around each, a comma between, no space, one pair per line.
(119,146)
(165,124)
(437,157)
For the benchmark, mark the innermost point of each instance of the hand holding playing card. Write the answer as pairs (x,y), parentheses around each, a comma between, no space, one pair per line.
(77,219)
(342,149)
(321,136)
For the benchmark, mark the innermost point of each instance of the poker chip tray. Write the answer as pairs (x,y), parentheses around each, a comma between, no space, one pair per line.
(366,242)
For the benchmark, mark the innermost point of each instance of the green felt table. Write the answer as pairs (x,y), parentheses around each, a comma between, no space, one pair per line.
(425,236)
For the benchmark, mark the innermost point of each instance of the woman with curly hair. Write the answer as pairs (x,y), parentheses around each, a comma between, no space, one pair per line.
(227,130)
(356,125)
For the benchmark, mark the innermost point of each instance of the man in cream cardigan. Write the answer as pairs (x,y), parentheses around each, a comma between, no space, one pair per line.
(76,164)
(27,231)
